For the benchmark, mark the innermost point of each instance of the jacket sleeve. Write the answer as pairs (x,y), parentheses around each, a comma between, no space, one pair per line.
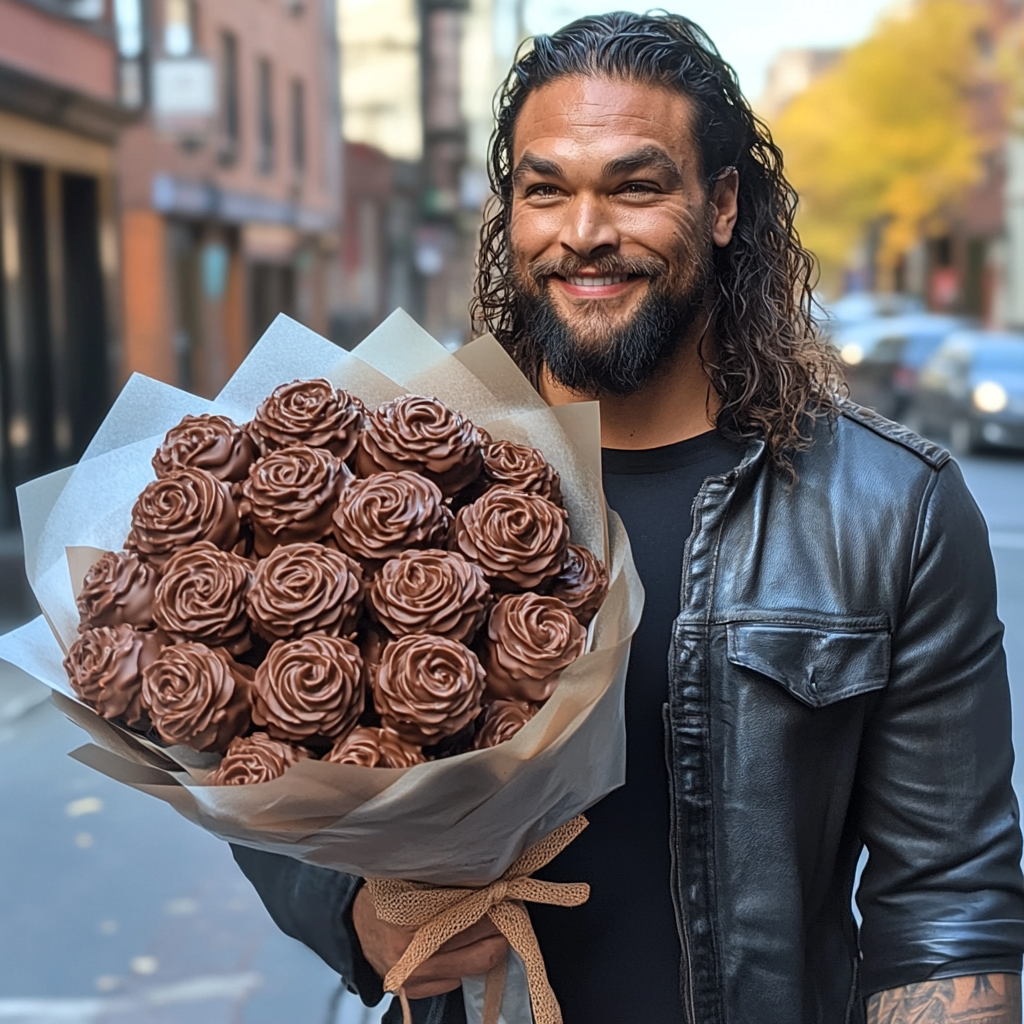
(314,905)
(941,894)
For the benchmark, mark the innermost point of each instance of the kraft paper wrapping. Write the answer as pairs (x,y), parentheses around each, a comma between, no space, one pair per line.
(460,821)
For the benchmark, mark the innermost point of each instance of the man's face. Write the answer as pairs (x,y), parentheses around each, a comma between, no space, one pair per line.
(611,229)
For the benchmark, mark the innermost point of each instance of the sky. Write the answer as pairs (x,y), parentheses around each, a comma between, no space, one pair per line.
(749,33)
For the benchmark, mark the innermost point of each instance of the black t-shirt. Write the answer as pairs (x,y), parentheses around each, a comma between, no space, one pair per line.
(616,958)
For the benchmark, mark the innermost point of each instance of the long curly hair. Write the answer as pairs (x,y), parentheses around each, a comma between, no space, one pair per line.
(773,372)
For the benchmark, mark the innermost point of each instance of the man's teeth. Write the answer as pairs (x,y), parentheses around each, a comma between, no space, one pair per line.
(597,282)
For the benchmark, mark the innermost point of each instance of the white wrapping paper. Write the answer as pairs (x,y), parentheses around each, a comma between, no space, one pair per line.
(460,821)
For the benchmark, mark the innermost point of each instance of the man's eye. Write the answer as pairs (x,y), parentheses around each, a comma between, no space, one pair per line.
(636,188)
(542,191)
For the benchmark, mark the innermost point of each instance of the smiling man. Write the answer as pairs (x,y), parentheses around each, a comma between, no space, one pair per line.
(819,667)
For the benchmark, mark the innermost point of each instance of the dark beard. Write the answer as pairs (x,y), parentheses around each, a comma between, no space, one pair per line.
(629,356)
(625,358)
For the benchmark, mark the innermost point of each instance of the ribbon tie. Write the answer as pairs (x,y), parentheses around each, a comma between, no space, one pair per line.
(439,914)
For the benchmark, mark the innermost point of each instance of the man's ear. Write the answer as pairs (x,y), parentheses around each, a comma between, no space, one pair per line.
(725,203)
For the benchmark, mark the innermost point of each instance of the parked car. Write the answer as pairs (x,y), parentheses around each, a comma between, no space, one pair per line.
(860,307)
(883,356)
(971,391)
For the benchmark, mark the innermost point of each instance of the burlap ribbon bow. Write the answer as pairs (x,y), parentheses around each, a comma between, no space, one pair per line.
(439,914)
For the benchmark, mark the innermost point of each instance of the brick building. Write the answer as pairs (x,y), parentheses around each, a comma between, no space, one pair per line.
(230,186)
(60,118)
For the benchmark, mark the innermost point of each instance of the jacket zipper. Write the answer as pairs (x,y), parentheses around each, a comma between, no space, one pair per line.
(689,1009)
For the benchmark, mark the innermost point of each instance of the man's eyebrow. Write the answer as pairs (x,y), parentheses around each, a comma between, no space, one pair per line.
(537,164)
(653,157)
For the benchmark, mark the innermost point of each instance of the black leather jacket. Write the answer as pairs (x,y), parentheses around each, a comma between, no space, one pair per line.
(837,680)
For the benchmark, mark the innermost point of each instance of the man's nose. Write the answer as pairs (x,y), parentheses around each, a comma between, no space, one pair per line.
(588,228)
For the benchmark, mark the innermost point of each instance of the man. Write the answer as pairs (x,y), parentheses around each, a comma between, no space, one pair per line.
(819,668)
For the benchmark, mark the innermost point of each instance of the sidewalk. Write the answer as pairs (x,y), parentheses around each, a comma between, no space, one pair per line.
(18,692)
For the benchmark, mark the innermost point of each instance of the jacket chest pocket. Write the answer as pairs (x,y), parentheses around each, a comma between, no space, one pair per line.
(817,665)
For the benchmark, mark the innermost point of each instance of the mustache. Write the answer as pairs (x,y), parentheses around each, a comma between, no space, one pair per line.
(570,265)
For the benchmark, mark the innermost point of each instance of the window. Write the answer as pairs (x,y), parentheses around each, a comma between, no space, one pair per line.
(229,95)
(298,127)
(265,115)
(179,28)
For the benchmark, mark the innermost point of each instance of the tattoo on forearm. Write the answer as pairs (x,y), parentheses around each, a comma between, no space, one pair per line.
(975,999)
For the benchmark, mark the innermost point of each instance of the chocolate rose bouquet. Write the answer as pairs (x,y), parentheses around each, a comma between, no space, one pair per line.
(365,609)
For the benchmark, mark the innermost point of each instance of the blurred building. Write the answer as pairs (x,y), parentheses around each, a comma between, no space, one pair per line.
(375,271)
(417,82)
(230,184)
(1014,296)
(961,265)
(60,118)
(790,73)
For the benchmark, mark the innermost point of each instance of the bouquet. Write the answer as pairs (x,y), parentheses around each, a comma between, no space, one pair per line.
(365,609)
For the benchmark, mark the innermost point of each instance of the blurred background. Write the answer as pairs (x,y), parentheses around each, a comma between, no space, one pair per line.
(174,173)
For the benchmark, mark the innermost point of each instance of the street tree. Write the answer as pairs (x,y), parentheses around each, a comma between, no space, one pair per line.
(887,139)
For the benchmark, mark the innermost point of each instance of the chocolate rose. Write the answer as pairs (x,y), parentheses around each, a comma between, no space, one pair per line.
(375,748)
(201,597)
(305,588)
(428,687)
(520,468)
(212,443)
(436,592)
(360,747)
(197,696)
(118,588)
(255,758)
(312,412)
(530,640)
(181,509)
(518,539)
(502,720)
(380,517)
(582,584)
(310,687)
(396,752)
(105,667)
(290,495)
(424,435)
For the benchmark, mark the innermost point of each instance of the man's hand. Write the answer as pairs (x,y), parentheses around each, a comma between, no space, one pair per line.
(474,951)
(975,999)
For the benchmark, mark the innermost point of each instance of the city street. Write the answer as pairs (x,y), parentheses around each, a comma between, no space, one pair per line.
(115,911)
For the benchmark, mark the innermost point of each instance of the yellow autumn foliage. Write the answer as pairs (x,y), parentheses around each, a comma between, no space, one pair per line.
(885,137)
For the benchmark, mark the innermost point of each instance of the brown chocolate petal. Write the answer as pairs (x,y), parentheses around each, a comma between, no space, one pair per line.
(430,591)
(502,720)
(428,687)
(255,758)
(530,640)
(310,687)
(188,506)
(105,667)
(518,539)
(360,747)
(212,443)
(201,597)
(290,496)
(197,696)
(423,435)
(395,752)
(582,584)
(305,588)
(118,588)
(380,517)
(311,412)
(521,468)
